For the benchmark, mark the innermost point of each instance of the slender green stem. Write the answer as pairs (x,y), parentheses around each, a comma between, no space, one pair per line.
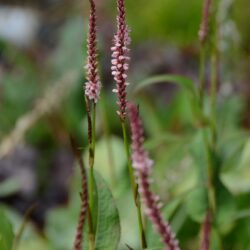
(109,145)
(210,143)
(202,75)
(91,188)
(134,187)
(94,127)
(211,191)
(130,168)
(91,230)
(214,61)
(212,172)
(20,231)
(213,95)
(91,142)
(92,160)
(210,175)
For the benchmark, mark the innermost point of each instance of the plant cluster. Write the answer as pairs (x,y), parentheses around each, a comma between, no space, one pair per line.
(209,205)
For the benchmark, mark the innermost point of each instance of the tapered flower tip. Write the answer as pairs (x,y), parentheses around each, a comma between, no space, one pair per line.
(120,59)
(93,84)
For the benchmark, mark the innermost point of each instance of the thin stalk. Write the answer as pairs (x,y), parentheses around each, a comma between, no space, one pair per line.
(202,75)
(91,142)
(106,130)
(214,61)
(210,145)
(211,191)
(94,129)
(134,187)
(92,159)
(213,94)
(20,231)
(91,230)
(210,176)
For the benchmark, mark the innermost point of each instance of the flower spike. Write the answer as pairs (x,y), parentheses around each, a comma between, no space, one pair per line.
(78,242)
(120,59)
(203,31)
(93,84)
(143,166)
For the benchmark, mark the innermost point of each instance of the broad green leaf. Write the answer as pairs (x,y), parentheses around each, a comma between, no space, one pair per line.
(179,219)
(151,117)
(197,204)
(226,208)
(230,113)
(34,243)
(108,224)
(171,207)
(61,227)
(237,179)
(166,138)
(109,168)
(6,232)
(231,150)
(199,154)
(183,82)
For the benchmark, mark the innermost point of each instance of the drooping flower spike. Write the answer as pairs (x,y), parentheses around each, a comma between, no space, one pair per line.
(120,59)
(82,217)
(78,242)
(143,166)
(93,84)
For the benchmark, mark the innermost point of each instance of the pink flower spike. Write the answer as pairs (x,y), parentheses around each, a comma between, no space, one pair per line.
(203,31)
(93,84)
(120,58)
(143,166)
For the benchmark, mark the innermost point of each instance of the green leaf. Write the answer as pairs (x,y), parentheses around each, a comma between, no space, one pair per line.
(197,204)
(184,82)
(110,169)
(226,208)
(61,227)
(108,224)
(237,179)
(171,207)
(199,155)
(6,232)
(231,150)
